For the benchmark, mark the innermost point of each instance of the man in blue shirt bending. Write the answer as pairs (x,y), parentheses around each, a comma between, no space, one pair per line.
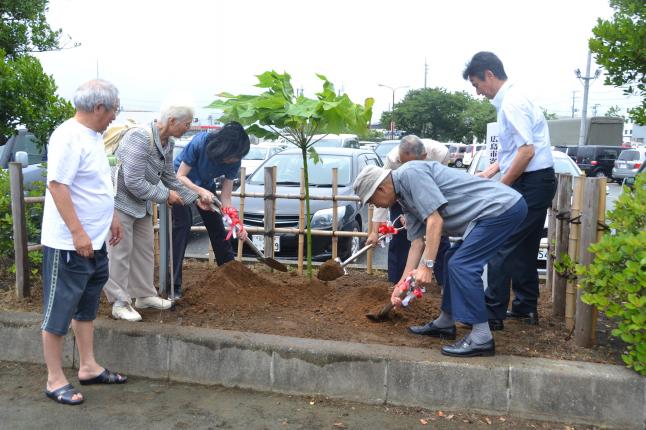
(206,157)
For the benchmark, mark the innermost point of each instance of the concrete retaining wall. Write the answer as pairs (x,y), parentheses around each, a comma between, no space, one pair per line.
(603,395)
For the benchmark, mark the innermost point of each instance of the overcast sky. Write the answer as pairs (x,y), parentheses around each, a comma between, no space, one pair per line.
(150,49)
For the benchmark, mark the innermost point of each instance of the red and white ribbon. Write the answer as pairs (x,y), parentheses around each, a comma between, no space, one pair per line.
(232,222)
(387,229)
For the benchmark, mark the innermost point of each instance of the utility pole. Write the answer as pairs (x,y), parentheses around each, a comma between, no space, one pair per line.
(573,98)
(392,111)
(586,86)
(594,109)
(425,72)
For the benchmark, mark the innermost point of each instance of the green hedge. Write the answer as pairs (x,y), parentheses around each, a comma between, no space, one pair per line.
(34,217)
(615,282)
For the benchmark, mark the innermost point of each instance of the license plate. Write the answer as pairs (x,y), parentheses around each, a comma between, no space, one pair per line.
(542,254)
(259,241)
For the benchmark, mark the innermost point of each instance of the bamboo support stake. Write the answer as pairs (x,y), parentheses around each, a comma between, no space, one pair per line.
(551,240)
(243,179)
(371,209)
(335,206)
(584,328)
(573,250)
(301,224)
(562,232)
(156,234)
(23,288)
(601,217)
(270,209)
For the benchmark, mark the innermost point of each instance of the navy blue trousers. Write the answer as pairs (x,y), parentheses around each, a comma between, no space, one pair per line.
(516,260)
(463,293)
(182,222)
(398,251)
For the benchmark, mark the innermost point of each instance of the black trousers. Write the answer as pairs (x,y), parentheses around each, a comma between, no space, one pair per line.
(398,251)
(516,260)
(182,222)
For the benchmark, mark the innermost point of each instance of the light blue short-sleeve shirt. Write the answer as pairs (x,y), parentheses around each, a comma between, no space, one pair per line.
(424,187)
(520,122)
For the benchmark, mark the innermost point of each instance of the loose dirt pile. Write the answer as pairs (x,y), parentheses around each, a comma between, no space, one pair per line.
(330,270)
(252,298)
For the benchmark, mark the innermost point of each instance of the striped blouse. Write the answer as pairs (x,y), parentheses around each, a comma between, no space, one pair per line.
(144,172)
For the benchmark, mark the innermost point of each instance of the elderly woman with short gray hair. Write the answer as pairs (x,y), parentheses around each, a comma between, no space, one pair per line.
(144,174)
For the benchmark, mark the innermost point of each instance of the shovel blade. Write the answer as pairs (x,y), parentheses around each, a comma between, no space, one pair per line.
(274,264)
(382,315)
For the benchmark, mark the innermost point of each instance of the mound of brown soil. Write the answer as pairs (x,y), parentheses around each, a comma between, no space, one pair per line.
(252,298)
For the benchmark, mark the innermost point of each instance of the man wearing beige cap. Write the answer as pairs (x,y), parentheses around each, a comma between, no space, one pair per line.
(436,201)
(410,148)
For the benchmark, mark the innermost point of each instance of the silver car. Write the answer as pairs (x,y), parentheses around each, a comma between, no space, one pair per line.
(628,162)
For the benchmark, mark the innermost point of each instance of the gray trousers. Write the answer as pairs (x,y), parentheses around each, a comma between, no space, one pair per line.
(132,262)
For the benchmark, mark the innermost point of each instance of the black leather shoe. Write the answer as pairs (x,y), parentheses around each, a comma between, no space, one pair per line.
(530,318)
(430,330)
(495,325)
(465,347)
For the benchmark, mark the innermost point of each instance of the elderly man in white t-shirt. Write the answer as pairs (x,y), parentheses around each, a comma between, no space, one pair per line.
(410,148)
(78,217)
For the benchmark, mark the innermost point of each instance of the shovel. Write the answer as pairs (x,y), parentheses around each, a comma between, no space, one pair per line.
(333,269)
(271,262)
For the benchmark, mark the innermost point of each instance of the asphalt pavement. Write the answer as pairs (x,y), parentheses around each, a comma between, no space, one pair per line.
(152,404)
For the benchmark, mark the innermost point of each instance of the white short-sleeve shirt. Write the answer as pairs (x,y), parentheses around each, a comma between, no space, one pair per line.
(521,123)
(76,158)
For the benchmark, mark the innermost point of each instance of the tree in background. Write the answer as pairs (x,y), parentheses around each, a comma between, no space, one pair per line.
(28,95)
(619,45)
(549,115)
(442,115)
(614,111)
(278,112)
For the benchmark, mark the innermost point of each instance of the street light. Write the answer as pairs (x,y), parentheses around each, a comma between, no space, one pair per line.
(392,114)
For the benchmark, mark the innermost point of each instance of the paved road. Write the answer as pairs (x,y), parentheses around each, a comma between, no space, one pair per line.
(150,404)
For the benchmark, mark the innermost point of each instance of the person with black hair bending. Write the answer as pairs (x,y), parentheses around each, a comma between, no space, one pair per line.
(207,156)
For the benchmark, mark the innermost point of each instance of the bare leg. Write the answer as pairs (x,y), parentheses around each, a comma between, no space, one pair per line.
(84,332)
(53,351)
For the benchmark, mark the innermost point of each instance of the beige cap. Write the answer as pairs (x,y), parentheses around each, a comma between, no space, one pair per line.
(368,180)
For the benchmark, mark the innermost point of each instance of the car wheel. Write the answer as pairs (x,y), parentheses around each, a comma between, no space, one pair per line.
(459,164)
(599,174)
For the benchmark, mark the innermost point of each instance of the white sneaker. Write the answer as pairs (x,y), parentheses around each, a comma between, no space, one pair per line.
(124,311)
(154,302)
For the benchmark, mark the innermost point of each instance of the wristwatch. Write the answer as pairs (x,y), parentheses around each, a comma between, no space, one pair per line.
(428,263)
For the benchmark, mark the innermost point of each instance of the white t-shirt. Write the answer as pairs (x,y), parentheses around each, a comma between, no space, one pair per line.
(76,158)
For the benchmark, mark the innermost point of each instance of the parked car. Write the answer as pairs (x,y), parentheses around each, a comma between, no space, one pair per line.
(630,180)
(384,148)
(597,160)
(259,153)
(470,152)
(336,141)
(562,164)
(23,148)
(456,154)
(628,162)
(289,163)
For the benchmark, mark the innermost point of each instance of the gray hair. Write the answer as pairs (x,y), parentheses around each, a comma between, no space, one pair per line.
(181,112)
(94,93)
(412,145)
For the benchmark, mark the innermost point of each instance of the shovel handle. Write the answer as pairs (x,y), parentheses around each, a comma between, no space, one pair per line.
(364,249)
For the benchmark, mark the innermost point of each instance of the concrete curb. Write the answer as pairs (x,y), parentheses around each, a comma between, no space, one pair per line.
(568,391)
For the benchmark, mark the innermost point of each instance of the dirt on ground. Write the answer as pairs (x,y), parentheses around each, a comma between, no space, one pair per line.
(251,298)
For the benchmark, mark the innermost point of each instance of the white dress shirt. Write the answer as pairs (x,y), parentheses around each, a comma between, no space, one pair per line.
(521,123)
